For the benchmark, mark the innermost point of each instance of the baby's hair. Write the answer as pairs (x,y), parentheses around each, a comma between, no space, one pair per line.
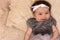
(41,2)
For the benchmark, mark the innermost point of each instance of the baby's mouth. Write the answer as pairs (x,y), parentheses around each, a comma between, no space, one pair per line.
(44,19)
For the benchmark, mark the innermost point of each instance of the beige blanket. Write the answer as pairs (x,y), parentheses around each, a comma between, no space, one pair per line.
(13,16)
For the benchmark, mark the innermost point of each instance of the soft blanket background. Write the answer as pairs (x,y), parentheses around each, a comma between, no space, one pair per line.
(13,16)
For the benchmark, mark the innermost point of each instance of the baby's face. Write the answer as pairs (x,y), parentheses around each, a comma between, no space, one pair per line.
(42,14)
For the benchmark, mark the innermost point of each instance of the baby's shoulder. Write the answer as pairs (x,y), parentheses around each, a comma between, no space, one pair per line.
(31,20)
(53,21)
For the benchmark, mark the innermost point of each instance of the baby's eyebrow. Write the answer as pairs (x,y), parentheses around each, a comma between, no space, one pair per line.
(46,12)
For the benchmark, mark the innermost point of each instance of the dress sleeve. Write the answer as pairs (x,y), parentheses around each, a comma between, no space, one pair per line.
(54,22)
(31,22)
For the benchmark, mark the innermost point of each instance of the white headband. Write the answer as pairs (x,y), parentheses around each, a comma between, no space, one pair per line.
(37,6)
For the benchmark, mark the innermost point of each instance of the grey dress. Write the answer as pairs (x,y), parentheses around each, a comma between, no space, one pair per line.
(41,30)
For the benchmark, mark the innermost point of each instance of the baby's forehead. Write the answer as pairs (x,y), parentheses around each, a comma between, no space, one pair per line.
(42,9)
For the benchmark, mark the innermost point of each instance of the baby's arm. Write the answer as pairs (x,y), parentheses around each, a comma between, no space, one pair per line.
(55,33)
(27,35)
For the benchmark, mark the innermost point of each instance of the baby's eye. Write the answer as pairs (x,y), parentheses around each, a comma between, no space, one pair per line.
(46,13)
(40,14)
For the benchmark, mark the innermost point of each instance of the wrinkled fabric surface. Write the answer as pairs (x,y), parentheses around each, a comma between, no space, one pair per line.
(13,15)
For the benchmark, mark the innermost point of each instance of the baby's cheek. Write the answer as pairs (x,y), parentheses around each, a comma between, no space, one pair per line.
(38,19)
(47,17)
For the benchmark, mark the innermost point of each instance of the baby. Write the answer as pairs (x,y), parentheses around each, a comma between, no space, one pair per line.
(42,26)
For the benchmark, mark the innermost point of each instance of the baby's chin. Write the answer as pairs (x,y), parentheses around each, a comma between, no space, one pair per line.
(44,20)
